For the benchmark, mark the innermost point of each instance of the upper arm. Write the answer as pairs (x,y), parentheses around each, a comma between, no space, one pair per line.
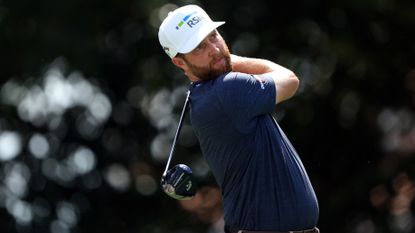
(245,96)
(286,84)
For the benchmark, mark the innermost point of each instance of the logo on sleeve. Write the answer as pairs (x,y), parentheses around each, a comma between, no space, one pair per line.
(261,81)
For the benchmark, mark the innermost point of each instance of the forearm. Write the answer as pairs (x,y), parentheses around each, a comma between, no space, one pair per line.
(256,66)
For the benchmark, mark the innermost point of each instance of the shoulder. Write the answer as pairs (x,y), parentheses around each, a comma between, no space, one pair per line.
(233,79)
(236,76)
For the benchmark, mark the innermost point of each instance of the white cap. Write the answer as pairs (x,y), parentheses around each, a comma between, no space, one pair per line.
(184,28)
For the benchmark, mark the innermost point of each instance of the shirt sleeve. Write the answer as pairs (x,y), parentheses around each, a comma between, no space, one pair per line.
(244,97)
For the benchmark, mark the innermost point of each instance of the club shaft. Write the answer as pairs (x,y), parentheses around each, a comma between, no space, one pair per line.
(179,127)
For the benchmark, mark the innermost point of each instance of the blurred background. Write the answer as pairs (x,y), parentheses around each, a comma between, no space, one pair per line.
(89,104)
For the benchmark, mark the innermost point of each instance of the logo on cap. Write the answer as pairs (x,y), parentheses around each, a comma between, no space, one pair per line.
(190,21)
(185,19)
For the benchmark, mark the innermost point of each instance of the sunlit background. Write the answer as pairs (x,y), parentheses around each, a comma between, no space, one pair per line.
(90,104)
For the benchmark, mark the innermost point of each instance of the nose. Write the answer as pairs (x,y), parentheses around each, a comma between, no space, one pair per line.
(213,49)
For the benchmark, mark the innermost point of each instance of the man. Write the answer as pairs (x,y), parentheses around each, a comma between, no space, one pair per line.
(264,185)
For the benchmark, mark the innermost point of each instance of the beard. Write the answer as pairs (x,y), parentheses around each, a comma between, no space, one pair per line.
(211,72)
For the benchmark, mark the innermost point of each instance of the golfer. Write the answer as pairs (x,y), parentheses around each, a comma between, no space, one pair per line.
(265,187)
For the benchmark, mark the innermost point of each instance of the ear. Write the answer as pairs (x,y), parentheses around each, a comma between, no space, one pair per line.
(179,62)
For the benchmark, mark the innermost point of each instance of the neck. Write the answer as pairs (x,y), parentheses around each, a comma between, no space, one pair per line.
(193,78)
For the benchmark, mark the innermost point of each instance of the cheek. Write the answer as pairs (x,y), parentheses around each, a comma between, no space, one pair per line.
(199,61)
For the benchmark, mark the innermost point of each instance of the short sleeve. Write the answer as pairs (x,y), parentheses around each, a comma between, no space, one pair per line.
(245,97)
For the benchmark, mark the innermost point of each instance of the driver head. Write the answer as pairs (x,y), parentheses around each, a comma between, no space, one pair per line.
(179,183)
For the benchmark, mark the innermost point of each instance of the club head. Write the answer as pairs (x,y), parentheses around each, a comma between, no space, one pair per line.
(179,182)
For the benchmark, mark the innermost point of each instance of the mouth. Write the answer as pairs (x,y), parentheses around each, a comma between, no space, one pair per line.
(219,61)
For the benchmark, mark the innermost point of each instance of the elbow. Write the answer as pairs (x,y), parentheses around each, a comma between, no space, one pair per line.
(287,87)
(295,83)
(292,85)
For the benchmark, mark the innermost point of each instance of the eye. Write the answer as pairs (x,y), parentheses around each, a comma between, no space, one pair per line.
(213,36)
(201,46)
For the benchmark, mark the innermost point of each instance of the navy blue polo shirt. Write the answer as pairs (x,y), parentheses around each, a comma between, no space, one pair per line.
(263,181)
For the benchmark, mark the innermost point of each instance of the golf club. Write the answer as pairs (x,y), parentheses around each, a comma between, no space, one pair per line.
(178,182)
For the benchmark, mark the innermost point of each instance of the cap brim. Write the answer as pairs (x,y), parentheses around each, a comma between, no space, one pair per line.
(194,41)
